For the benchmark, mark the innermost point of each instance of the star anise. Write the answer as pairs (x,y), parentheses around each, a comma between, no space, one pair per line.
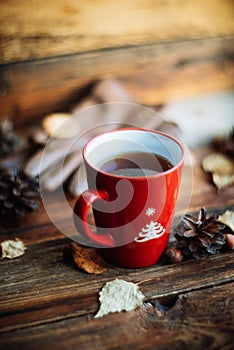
(18,192)
(202,236)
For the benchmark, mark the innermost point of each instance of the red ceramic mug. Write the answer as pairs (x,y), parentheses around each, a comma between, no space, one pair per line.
(133,179)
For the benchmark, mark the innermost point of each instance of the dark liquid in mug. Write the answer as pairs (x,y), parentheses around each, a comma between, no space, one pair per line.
(137,164)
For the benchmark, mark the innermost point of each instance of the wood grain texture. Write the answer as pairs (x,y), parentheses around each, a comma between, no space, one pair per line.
(41,294)
(153,74)
(188,325)
(37,223)
(39,29)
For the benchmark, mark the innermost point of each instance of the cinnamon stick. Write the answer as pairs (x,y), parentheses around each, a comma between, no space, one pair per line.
(55,177)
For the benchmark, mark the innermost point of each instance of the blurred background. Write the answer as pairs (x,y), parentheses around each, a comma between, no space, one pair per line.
(177,55)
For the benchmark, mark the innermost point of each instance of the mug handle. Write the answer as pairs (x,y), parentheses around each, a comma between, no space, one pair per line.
(81,209)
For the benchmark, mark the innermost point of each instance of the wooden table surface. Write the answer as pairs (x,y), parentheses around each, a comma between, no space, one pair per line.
(47,303)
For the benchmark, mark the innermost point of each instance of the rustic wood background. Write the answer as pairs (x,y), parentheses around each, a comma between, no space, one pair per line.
(39,29)
(50,52)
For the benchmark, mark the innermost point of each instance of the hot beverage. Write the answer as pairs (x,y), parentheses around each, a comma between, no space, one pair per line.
(135,164)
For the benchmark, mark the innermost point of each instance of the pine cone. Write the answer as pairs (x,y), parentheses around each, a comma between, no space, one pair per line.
(200,237)
(17,193)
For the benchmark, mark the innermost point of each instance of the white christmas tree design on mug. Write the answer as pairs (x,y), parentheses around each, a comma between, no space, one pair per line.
(152,230)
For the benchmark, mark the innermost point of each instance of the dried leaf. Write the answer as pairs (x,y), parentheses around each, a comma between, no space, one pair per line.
(12,248)
(218,163)
(222,169)
(88,259)
(223,180)
(228,218)
(119,295)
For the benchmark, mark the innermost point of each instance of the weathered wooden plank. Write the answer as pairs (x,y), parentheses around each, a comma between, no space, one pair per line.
(28,30)
(188,325)
(32,234)
(153,74)
(40,287)
(38,220)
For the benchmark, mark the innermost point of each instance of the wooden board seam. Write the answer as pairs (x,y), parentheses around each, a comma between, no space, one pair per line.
(147,45)
(88,315)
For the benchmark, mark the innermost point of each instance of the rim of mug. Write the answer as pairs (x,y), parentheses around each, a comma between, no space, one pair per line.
(174,167)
